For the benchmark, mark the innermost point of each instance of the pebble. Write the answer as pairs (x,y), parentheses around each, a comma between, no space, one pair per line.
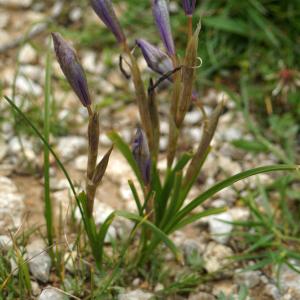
(69,147)
(5,243)
(231,134)
(271,291)
(215,257)
(219,230)
(16,3)
(163,143)
(27,55)
(39,261)
(89,62)
(11,205)
(249,278)
(201,296)
(135,295)
(4,19)
(191,247)
(50,293)
(3,149)
(289,280)
(192,117)
(27,86)
(75,14)
(35,288)
(33,72)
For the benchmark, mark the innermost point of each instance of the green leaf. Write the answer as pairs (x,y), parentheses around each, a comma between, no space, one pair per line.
(247,145)
(182,162)
(126,151)
(156,231)
(136,197)
(193,218)
(102,233)
(226,183)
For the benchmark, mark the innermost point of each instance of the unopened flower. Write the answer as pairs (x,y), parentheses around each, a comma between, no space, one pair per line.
(72,69)
(140,151)
(105,11)
(156,59)
(161,15)
(189,6)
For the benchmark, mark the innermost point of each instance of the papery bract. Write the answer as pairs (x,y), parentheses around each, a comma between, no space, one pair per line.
(161,15)
(72,69)
(105,11)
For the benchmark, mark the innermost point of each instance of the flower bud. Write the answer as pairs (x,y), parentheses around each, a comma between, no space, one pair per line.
(189,6)
(161,15)
(140,151)
(72,69)
(105,11)
(156,59)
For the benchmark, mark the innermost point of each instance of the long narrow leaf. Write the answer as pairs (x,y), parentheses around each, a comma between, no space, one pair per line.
(228,182)
(156,231)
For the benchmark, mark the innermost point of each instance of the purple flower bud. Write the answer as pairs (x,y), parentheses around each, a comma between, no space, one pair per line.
(72,69)
(189,6)
(161,15)
(105,11)
(141,153)
(156,59)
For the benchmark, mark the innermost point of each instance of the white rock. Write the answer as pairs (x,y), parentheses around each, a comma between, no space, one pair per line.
(50,293)
(27,54)
(104,140)
(220,230)
(4,37)
(5,242)
(39,262)
(272,291)
(89,62)
(231,134)
(289,280)
(33,72)
(195,134)
(163,143)
(4,19)
(35,288)
(215,257)
(239,213)
(69,147)
(70,259)
(16,3)
(201,296)
(135,295)
(3,149)
(249,278)
(192,117)
(80,163)
(11,205)
(59,184)
(27,86)
(75,14)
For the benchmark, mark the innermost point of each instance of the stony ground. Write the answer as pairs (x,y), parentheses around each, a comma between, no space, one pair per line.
(21,190)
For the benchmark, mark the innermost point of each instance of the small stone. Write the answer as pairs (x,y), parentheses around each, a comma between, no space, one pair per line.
(11,205)
(239,213)
(289,280)
(89,62)
(216,257)
(16,3)
(70,259)
(104,140)
(5,243)
(50,293)
(69,147)
(35,288)
(249,278)
(226,287)
(39,261)
(75,14)
(136,282)
(28,86)
(219,228)
(136,295)
(192,117)
(195,134)
(272,291)
(192,246)
(163,143)
(33,72)
(159,287)
(231,134)
(201,296)
(59,184)
(27,55)
(3,149)
(4,19)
